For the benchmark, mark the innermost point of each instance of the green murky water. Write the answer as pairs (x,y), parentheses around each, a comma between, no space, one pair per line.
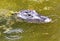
(32,32)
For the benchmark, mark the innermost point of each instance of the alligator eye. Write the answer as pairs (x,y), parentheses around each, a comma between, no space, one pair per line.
(29,15)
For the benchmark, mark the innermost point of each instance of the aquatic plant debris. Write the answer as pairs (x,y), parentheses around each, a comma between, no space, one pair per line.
(31,16)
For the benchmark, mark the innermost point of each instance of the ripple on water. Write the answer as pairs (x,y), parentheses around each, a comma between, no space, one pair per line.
(17,34)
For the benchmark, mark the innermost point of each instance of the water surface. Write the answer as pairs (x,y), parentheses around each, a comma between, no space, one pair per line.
(32,32)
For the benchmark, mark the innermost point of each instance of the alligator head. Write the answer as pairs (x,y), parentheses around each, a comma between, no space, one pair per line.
(33,17)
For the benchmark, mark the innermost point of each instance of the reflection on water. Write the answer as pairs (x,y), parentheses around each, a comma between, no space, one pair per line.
(13,34)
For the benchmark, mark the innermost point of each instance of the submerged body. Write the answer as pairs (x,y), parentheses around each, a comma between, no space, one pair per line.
(32,16)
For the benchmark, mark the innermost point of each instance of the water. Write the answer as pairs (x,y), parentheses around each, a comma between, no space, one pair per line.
(32,31)
(13,34)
